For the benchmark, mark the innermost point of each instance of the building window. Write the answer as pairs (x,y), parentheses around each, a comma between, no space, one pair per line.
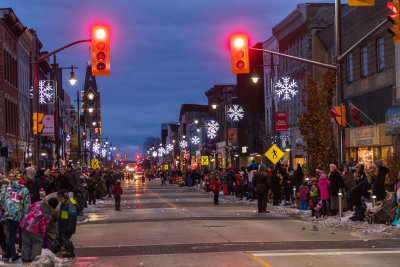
(380,54)
(350,68)
(364,61)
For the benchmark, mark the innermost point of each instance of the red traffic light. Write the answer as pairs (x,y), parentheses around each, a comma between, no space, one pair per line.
(137,157)
(100,50)
(240,54)
(118,156)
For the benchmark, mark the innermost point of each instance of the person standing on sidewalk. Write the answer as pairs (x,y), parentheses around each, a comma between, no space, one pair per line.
(261,182)
(117,192)
(216,187)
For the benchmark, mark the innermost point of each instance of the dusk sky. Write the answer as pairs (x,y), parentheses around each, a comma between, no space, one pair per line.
(163,52)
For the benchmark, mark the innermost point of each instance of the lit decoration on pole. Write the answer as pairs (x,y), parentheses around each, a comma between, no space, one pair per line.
(183,144)
(46,92)
(96,148)
(87,144)
(68,138)
(103,152)
(161,151)
(169,148)
(195,140)
(235,113)
(212,129)
(154,154)
(286,88)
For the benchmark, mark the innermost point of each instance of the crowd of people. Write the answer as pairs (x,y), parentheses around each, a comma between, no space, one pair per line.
(345,188)
(39,208)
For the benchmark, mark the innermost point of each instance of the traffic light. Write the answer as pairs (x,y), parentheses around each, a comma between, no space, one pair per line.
(395,19)
(100,50)
(126,157)
(240,54)
(341,115)
(37,119)
(118,156)
(137,157)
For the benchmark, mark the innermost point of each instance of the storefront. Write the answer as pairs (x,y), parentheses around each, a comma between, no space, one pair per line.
(369,143)
(221,154)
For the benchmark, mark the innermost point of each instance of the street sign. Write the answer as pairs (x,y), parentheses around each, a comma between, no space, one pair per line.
(95,164)
(274,154)
(204,160)
(361,2)
(165,167)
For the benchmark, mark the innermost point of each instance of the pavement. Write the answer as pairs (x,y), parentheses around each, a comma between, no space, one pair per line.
(180,226)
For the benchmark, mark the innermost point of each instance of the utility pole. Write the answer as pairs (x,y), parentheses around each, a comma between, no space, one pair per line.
(79,125)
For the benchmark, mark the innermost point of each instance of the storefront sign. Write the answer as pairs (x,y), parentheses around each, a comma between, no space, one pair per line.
(393,121)
(281,124)
(364,136)
(48,122)
(232,135)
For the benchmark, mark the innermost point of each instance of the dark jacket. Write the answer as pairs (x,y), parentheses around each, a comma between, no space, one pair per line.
(379,183)
(68,217)
(360,190)
(336,182)
(74,178)
(361,177)
(65,183)
(275,182)
(261,181)
(348,179)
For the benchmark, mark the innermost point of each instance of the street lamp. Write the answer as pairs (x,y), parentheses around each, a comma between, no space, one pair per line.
(72,79)
(214,106)
(255,78)
(196,121)
(94,123)
(90,109)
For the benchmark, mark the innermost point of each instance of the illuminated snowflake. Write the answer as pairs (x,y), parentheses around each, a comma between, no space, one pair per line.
(161,151)
(183,144)
(286,88)
(154,154)
(235,113)
(212,129)
(87,144)
(103,152)
(46,92)
(195,140)
(169,148)
(96,148)
(68,138)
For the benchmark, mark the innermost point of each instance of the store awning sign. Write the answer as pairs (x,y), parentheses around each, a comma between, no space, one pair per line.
(281,124)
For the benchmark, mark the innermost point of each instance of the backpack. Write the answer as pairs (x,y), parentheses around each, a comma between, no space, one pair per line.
(117,192)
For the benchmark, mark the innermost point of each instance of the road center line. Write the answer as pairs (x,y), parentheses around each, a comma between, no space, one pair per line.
(163,199)
(260,261)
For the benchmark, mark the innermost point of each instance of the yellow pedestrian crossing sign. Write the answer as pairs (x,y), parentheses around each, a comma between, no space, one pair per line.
(95,164)
(204,160)
(165,167)
(274,154)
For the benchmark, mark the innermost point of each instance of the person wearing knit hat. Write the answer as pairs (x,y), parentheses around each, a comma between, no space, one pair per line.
(378,187)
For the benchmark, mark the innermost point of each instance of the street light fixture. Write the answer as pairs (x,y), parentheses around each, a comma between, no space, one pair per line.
(198,130)
(72,79)
(214,106)
(255,78)
(90,109)
(94,123)
(196,121)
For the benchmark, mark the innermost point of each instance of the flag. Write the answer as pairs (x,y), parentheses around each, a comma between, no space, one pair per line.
(334,114)
(354,113)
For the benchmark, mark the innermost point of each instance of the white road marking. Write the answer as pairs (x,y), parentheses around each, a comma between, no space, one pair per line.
(326,253)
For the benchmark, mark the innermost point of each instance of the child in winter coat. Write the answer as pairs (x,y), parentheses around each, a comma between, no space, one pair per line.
(66,224)
(314,194)
(34,227)
(323,186)
(304,194)
(117,192)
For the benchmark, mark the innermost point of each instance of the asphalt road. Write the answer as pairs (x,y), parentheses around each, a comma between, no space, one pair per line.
(173,226)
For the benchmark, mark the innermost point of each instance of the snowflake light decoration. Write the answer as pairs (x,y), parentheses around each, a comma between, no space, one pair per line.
(183,144)
(169,148)
(103,152)
(195,140)
(68,138)
(96,148)
(161,151)
(286,89)
(87,144)
(154,154)
(235,113)
(46,92)
(212,129)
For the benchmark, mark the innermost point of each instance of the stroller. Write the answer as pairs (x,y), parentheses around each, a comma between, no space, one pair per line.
(384,214)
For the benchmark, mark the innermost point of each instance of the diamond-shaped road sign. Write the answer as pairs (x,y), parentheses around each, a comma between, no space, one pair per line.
(274,154)
(204,160)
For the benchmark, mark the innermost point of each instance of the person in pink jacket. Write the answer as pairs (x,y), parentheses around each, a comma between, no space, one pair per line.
(323,186)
